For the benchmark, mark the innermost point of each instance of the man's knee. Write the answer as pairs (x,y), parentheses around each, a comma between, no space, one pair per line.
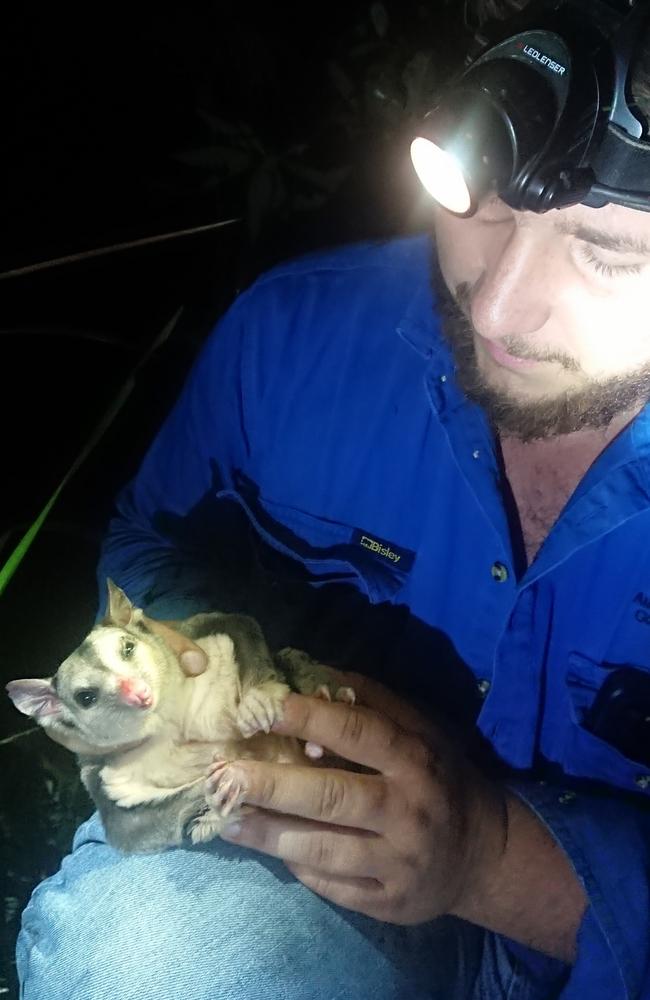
(196,924)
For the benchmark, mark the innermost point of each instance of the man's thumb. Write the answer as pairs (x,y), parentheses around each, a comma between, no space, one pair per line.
(193,662)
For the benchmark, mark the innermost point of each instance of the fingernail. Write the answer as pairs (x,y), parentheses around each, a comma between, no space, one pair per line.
(213,781)
(231,831)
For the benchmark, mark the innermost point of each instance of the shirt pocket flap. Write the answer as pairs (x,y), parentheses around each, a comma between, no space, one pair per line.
(326,550)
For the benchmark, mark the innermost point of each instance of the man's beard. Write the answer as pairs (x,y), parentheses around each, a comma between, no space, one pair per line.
(590,406)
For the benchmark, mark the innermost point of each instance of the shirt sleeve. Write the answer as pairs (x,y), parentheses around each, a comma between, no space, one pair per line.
(150,550)
(606,837)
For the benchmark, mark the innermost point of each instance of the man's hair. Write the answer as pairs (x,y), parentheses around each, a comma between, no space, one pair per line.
(488,10)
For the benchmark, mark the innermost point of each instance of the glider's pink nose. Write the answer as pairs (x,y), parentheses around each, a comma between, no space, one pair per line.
(135,692)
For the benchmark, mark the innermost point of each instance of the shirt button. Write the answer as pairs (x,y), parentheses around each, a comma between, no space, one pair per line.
(499,572)
(483,688)
(476,453)
(643,781)
(566,797)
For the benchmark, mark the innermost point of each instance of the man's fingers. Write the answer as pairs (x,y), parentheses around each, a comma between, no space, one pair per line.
(192,658)
(339,852)
(327,795)
(375,695)
(354,732)
(193,661)
(364,895)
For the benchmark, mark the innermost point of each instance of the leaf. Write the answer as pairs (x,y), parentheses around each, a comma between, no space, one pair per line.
(324,180)
(420,80)
(342,82)
(379,18)
(224,127)
(11,908)
(216,157)
(385,95)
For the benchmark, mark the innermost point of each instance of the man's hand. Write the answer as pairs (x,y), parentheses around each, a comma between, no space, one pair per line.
(403,844)
(191,657)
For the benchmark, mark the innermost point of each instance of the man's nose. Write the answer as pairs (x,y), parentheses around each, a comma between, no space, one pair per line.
(514,294)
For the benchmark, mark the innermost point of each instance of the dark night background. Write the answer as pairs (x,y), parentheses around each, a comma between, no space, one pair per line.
(123,123)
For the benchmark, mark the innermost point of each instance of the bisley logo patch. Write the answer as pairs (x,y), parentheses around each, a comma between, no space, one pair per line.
(388,551)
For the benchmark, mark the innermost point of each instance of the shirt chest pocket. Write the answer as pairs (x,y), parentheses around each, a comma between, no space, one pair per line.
(295,544)
(608,736)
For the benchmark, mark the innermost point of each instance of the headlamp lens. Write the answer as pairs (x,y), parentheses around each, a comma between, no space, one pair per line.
(441,174)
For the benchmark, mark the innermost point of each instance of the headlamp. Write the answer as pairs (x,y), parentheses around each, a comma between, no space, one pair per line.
(541,113)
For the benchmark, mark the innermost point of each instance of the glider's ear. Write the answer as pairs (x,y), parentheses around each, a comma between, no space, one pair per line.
(119,610)
(35,697)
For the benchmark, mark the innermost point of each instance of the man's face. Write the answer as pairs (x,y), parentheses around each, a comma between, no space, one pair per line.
(551,332)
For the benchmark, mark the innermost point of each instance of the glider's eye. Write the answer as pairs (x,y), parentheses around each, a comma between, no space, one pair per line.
(127,648)
(86,697)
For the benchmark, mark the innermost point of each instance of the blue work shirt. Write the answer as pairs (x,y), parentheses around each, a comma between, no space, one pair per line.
(322,433)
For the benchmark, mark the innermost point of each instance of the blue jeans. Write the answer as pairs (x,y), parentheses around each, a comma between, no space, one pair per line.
(222,922)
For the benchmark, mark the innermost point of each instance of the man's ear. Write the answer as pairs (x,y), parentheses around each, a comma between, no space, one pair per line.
(119,610)
(34,697)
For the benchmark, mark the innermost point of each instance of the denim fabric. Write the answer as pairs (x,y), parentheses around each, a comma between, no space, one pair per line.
(220,922)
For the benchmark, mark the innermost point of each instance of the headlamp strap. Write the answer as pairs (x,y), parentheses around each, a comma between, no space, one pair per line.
(620,163)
